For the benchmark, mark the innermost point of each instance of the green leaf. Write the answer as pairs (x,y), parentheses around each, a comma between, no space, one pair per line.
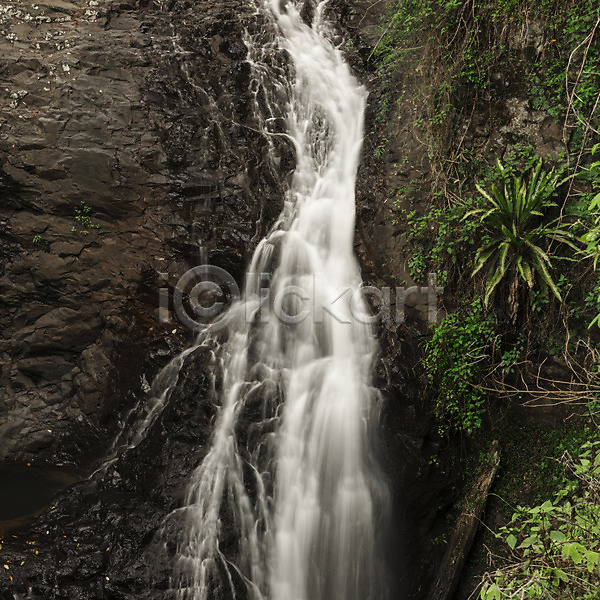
(571,551)
(594,203)
(475,211)
(595,321)
(493,593)
(592,558)
(561,575)
(525,272)
(528,541)
(557,536)
(511,540)
(495,279)
(483,254)
(542,268)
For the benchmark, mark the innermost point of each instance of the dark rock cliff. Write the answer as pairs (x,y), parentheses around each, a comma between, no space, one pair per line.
(127,140)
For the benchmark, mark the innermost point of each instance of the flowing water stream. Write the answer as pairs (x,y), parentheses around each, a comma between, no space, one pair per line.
(288,503)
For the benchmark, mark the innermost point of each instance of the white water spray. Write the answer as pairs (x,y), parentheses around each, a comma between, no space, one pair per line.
(286,501)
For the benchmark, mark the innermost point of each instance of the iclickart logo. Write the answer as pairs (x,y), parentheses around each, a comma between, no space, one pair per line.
(203,295)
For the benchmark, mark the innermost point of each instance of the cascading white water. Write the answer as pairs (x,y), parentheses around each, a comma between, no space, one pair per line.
(286,501)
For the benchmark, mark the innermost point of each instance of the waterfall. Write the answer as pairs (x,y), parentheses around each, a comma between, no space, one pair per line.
(287,502)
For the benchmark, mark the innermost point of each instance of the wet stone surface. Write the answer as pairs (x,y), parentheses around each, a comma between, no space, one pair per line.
(26,490)
(127,139)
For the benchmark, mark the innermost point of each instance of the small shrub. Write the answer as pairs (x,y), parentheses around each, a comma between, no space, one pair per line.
(554,548)
(84,219)
(454,362)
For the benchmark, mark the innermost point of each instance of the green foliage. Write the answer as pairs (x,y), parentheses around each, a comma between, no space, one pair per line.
(592,303)
(406,18)
(514,219)
(532,450)
(511,355)
(441,240)
(455,357)
(380,149)
(37,239)
(585,59)
(84,219)
(469,50)
(566,83)
(554,548)
(591,238)
(402,18)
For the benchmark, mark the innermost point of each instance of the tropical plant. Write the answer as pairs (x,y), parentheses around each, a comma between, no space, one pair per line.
(514,220)
(554,548)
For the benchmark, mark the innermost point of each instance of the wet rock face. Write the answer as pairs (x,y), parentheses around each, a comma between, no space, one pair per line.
(127,139)
(108,537)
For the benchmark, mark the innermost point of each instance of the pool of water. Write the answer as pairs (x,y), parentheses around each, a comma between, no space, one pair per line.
(26,490)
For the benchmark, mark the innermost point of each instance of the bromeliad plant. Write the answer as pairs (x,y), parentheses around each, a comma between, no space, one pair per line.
(520,239)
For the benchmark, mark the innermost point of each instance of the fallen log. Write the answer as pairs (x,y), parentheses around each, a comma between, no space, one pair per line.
(462,538)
